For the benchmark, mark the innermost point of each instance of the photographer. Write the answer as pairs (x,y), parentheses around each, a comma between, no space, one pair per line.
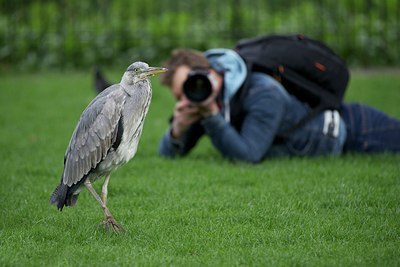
(207,87)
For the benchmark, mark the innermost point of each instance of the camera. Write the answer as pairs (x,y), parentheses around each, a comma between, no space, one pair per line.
(197,86)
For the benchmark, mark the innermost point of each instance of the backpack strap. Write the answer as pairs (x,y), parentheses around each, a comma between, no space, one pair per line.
(327,101)
(326,98)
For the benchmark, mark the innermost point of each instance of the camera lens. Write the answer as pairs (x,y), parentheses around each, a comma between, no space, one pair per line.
(197,87)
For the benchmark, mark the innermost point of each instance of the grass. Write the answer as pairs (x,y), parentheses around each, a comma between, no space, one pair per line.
(197,211)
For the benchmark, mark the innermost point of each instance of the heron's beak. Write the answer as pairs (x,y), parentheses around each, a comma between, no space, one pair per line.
(152,71)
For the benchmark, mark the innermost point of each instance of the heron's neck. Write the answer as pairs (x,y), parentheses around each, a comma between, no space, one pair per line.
(129,84)
(127,81)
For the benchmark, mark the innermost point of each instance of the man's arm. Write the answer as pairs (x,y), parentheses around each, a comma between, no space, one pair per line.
(171,147)
(264,108)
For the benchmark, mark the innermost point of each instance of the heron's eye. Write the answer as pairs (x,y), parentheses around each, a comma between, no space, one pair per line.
(136,69)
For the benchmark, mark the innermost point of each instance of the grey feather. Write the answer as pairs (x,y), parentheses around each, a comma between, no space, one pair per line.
(93,135)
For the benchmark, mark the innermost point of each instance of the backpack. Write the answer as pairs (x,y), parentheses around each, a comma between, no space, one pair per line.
(306,68)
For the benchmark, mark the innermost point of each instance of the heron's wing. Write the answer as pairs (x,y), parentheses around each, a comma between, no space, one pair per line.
(95,134)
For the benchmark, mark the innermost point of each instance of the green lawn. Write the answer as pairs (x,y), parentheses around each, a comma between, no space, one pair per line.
(197,211)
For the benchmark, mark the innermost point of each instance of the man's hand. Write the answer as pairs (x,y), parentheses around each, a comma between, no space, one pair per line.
(207,109)
(185,114)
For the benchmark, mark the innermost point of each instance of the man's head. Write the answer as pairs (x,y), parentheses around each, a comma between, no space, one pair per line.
(183,57)
(181,62)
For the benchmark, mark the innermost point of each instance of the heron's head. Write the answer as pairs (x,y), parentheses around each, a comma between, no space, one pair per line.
(140,71)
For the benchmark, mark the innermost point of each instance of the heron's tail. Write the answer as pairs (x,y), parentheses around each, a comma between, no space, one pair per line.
(59,195)
(63,195)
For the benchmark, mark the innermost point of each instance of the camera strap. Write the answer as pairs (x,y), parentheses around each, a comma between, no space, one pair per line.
(227,110)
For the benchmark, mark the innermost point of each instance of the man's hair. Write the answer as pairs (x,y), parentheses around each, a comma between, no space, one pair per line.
(180,57)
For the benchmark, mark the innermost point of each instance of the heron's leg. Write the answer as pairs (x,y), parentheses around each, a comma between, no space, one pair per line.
(109,221)
(104,189)
(89,187)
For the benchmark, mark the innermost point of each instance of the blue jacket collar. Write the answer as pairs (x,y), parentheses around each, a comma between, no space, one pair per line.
(229,62)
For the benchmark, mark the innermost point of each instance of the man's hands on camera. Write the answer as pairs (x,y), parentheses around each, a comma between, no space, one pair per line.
(186,113)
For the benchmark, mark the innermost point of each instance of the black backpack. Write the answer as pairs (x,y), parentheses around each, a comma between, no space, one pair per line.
(307,68)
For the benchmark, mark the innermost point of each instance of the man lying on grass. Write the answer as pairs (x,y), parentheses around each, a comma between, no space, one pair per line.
(267,111)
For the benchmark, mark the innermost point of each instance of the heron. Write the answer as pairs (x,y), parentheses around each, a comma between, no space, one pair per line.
(106,137)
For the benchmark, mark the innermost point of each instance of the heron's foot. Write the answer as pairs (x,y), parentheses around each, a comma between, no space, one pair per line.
(111,224)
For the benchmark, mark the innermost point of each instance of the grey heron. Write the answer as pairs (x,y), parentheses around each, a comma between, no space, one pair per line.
(106,137)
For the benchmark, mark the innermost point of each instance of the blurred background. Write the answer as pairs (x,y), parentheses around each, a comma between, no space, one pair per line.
(43,34)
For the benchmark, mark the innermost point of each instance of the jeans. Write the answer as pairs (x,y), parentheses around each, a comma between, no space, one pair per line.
(370,130)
